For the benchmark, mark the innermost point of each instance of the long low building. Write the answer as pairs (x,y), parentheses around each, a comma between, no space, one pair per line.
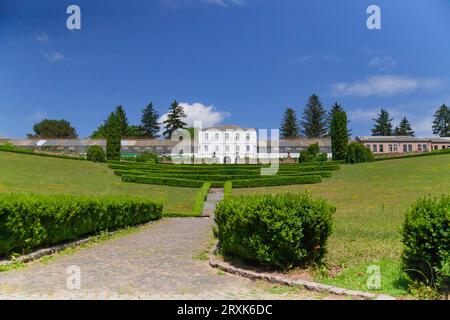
(402,144)
(224,151)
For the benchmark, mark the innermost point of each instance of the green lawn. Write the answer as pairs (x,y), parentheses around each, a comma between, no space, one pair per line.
(371,199)
(33,174)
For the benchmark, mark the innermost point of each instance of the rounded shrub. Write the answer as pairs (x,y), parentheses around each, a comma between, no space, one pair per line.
(147,157)
(96,154)
(322,156)
(426,242)
(356,153)
(305,156)
(281,231)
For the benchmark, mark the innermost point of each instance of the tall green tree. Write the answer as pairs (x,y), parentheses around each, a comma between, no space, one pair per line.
(404,128)
(338,132)
(100,132)
(122,115)
(113,136)
(149,121)
(54,129)
(441,122)
(314,118)
(383,124)
(289,127)
(174,119)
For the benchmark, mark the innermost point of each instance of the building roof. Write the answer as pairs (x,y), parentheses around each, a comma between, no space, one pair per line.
(228,127)
(440,140)
(391,139)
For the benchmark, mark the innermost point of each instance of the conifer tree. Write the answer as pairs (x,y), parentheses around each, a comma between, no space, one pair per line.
(314,119)
(149,121)
(338,132)
(383,124)
(289,127)
(174,119)
(441,122)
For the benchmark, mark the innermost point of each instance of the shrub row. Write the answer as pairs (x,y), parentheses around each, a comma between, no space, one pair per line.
(32,221)
(426,242)
(173,182)
(228,189)
(41,154)
(246,183)
(282,231)
(277,181)
(201,198)
(217,177)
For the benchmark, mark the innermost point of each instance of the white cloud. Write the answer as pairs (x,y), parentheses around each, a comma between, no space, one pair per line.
(41,37)
(317,57)
(199,112)
(53,57)
(384,85)
(382,62)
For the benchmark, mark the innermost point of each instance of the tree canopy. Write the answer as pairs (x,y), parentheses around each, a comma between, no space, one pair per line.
(54,129)
(383,124)
(314,118)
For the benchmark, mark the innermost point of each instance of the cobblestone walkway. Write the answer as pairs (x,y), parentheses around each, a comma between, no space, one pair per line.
(160,261)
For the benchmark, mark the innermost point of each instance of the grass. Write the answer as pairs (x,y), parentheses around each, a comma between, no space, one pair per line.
(371,200)
(30,174)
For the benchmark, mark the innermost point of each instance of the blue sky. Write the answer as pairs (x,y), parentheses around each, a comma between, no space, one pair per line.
(229,61)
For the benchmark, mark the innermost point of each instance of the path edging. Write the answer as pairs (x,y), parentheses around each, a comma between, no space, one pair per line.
(309,285)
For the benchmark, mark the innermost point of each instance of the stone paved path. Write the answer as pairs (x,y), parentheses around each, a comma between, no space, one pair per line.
(157,262)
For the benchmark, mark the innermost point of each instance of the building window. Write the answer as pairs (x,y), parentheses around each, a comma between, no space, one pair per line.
(419,147)
(217,148)
(381,148)
(395,148)
(227,136)
(206,148)
(227,148)
(247,147)
(237,148)
(405,148)
(247,136)
(206,137)
(425,147)
(410,148)
(237,136)
(374,148)
(217,136)
(390,148)
(368,146)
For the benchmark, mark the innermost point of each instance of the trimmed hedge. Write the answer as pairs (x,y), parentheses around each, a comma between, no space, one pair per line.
(426,242)
(277,181)
(218,177)
(357,153)
(201,198)
(173,182)
(41,154)
(228,190)
(281,231)
(32,221)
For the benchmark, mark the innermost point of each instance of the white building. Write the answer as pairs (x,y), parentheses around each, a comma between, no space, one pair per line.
(228,144)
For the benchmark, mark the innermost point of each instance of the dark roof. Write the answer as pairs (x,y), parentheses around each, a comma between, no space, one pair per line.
(391,139)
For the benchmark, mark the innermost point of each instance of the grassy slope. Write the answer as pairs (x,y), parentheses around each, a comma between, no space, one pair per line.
(32,174)
(371,199)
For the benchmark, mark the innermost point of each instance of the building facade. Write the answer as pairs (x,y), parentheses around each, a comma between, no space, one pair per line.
(402,144)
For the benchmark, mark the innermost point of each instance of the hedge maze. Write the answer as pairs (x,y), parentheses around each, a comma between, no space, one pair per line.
(241,176)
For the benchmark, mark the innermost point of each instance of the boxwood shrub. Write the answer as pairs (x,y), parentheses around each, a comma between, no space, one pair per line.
(281,231)
(96,154)
(276,181)
(32,221)
(173,182)
(426,241)
(201,198)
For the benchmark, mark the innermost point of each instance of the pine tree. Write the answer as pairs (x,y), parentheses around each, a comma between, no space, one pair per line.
(404,128)
(121,114)
(338,132)
(314,119)
(289,127)
(113,136)
(174,119)
(441,122)
(149,121)
(383,124)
